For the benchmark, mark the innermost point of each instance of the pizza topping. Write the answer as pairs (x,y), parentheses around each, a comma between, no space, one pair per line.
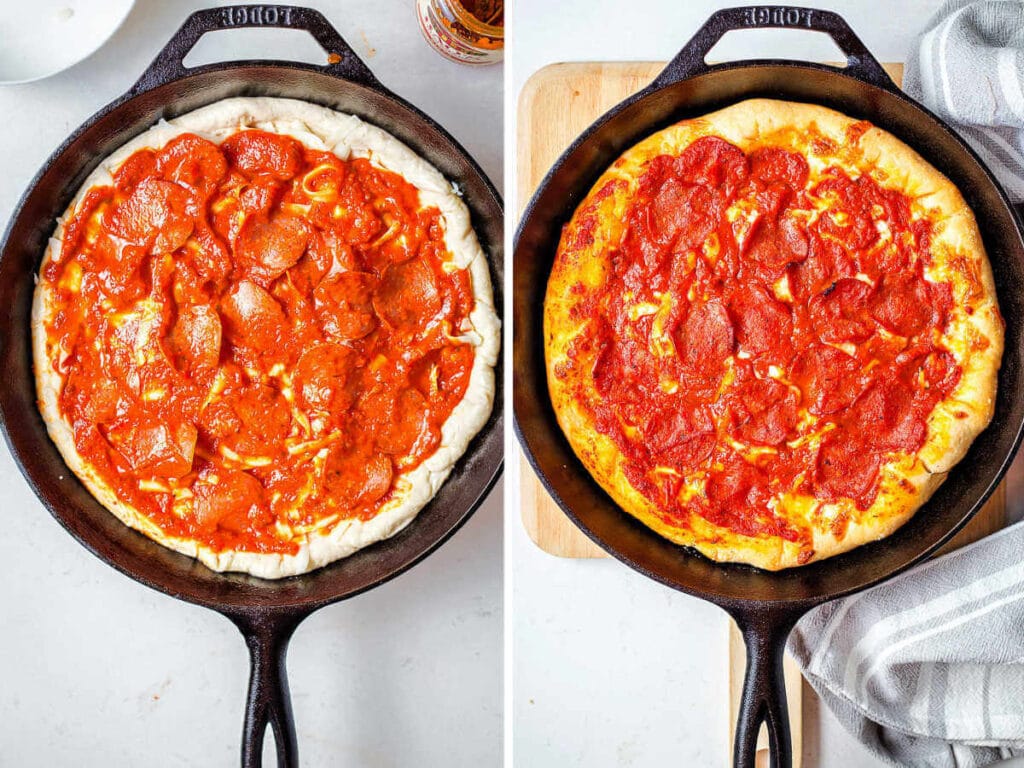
(706,338)
(765,412)
(762,322)
(847,469)
(154,216)
(905,306)
(762,332)
(840,312)
(829,378)
(261,337)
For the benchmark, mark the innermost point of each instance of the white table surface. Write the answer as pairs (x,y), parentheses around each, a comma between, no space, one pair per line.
(610,668)
(96,670)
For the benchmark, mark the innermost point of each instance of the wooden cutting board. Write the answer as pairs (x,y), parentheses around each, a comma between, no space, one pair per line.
(557,104)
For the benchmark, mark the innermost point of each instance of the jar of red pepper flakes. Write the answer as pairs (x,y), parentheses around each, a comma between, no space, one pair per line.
(466,31)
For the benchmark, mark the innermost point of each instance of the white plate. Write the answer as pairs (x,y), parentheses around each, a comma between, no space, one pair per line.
(39,38)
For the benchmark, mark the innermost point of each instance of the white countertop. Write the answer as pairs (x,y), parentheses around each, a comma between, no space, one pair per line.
(96,670)
(612,669)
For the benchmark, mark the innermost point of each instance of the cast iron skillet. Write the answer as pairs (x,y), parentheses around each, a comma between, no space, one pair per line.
(765,605)
(266,612)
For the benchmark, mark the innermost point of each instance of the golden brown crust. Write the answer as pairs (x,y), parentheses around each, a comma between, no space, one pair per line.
(974,334)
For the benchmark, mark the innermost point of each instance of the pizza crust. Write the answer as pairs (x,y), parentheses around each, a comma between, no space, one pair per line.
(974,335)
(344,135)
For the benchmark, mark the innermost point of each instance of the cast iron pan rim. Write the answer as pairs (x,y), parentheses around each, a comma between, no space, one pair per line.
(568,509)
(144,576)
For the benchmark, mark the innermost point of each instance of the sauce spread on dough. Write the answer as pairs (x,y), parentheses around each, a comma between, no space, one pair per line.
(256,338)
(760,333)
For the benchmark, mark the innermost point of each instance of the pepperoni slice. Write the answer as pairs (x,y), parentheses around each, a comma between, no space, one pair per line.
(408,296)
(850,220)
(193,161)
(829,379)
(99,402)
(154,215)
(157,450)
(355,480)
(138,166)
(400,420)
(903,304)
(683,213)
(885,416)
(713,162)
(258,152)
(846,469)
(929,369)
(271,246)
(328,255)
(218,420)
(766,412)
(775,243)
(195,337)
(775,165)
(347,305)
(706,337)
(214,263)
(444,373)
(684,437)
(227,502)
(762,322)
(826,263)
(322,377)
(739,485)
(267,419)
(841,313)
(253,317)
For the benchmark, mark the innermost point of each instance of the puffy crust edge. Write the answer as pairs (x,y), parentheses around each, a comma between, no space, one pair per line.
(974,334)
(345,135)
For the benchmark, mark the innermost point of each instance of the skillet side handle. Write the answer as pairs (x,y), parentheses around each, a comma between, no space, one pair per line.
(690,60)
(268,702)
(765,632)
(341,59)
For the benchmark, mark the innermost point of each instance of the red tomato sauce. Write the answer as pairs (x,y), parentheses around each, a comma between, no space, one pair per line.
(258,336)
(722,356)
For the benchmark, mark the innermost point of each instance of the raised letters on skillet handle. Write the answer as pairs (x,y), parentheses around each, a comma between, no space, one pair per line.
(342,60)
(765,629)
(690,60)
(267,633)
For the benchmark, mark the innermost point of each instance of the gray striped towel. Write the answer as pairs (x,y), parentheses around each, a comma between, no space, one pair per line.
(968,67)
(927,670)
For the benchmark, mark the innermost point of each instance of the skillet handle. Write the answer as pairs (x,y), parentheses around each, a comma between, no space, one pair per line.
(268,702)
(765,632)
(342,60)
(690,60)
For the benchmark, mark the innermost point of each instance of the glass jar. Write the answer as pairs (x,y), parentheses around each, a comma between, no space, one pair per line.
(466,31)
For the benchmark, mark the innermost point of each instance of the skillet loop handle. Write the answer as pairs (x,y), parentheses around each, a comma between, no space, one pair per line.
(690,60)
(342,60)
(268,702)
(764,689)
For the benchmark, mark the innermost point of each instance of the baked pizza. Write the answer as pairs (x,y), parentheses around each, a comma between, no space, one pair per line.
(263,334)
(771,332)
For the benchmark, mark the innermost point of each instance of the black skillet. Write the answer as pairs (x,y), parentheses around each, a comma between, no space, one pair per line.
(266,612)
(765,605)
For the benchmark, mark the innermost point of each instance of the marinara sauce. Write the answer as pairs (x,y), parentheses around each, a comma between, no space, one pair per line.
(763,333)
(256,338)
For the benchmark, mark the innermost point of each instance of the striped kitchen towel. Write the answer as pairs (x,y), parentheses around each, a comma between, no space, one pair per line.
(968,67)
(927,670)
